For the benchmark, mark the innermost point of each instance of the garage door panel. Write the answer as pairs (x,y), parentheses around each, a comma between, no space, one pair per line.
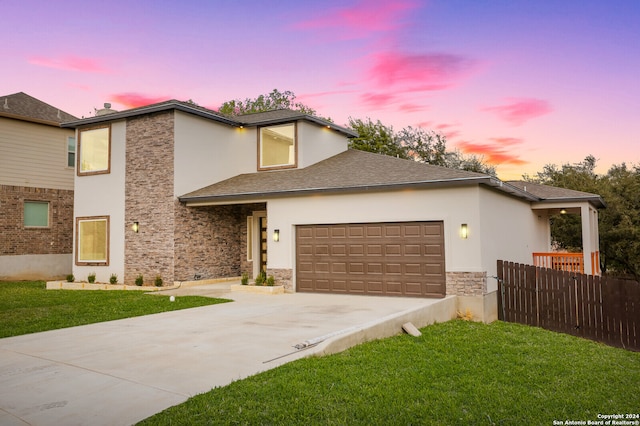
(338,250)
(394,259)
(356,286)
(356,249)
(356,268)
(393,250)
(374,268)
(374,249)
(374,231)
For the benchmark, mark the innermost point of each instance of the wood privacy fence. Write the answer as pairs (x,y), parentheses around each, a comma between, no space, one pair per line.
(597,308)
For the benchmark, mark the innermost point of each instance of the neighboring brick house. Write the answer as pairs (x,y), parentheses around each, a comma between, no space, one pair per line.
(183,192)
(37,160)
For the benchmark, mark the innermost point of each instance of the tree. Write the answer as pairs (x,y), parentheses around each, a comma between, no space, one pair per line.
(271,101)
(375,137)
(619,223)
(424,146)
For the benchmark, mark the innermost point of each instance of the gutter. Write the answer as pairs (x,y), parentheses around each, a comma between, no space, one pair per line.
(149,110)
(362,188)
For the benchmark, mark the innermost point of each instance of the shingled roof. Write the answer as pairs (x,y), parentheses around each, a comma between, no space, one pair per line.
(21,106)
(247,120)
(351,170)
(553,193)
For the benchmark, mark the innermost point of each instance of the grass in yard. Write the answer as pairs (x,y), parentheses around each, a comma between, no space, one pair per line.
(27,307)
(456,373)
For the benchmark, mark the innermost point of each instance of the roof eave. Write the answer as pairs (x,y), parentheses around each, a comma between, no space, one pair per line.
(30,119)
(149,110)
(597,202)
(349,189)
(324,123)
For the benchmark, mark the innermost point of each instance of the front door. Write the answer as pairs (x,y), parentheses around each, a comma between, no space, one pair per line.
(263,244)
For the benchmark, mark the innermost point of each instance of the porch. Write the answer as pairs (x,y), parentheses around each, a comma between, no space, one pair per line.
(570,262)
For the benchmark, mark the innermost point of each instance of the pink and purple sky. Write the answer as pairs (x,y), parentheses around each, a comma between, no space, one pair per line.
(523,83)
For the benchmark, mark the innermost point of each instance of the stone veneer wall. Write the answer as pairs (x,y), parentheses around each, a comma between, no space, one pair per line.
(206,242)
(283,277)
(149,198)
(211,242)
(466,283)
(17,240)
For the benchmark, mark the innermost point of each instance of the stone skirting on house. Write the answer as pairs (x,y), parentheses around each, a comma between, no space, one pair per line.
(283,277)
(466,283)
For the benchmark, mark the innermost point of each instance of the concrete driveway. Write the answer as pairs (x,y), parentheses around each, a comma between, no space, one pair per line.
(120,372)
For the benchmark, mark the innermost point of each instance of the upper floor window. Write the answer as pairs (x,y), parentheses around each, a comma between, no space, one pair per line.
(36,214)
(277,146)
(71,151)
(94,151)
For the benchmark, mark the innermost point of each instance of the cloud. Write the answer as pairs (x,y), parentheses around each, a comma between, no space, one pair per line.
(408,108)
(134,100)
(419,72)
(360,19)
(377,100)
(517,111)
(70,63)
(499,151)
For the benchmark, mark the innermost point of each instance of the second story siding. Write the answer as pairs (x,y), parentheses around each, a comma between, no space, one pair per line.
(34,155)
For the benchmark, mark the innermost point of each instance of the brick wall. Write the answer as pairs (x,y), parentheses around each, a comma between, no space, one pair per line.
(207,242)
(17,240)
(149,198)
(211,242)
(466,283)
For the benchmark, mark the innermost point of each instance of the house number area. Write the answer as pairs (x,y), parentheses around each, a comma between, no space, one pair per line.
(605,420)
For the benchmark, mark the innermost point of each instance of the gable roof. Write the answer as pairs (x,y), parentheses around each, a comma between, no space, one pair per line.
(247,120)
(554,193)
(21,106)
(360,171)
(351,171)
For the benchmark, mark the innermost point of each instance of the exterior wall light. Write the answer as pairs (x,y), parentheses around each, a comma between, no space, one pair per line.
(464,231)
(563,211)
(135,227)
(276,235)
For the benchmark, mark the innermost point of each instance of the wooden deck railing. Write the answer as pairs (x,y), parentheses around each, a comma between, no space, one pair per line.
(570,262)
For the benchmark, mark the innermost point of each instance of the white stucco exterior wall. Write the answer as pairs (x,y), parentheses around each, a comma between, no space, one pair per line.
(500,226)
(207,152)
(317,143)
(103,195)
(453,206)
(510,230)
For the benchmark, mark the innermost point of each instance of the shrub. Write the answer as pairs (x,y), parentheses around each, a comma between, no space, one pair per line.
(158,281)
(113,279)
(271,281)
(245,279)
(260,279)
(92,277)
(139,280)
(70,278)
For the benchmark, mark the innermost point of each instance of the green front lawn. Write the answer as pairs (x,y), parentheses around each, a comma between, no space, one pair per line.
(456,373)
(27,307)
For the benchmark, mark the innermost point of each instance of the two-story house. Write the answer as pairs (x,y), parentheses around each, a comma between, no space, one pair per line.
(37,159)
(180,191)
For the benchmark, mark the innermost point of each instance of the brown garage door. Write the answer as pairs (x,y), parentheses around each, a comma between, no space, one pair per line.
(382,259)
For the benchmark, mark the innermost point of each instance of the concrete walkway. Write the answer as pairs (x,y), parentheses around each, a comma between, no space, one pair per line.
(120,372)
